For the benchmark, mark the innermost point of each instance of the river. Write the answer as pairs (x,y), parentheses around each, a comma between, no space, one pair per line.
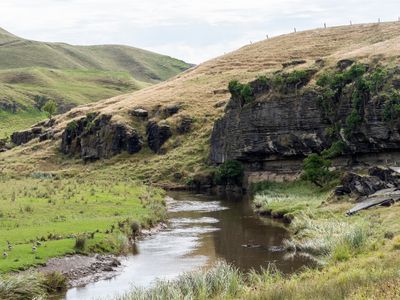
(202,229)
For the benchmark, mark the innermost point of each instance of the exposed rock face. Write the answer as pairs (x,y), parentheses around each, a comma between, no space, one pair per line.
(157,135)
(96,137)
(22,137)
(277,130)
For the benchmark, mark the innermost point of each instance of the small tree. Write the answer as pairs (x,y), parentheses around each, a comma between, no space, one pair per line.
(50,108)
(316,169)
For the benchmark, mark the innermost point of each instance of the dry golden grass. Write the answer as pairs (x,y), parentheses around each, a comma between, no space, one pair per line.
(199,88)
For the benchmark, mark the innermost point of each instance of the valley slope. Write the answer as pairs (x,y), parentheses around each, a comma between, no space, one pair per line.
(71,75)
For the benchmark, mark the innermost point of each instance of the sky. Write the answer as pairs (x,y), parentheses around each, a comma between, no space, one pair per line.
(192,30)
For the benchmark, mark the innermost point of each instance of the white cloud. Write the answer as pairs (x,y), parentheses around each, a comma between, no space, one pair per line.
(193,30)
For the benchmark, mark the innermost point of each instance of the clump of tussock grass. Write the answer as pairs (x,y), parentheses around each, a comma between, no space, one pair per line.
(330,237)
(24,287)
(223,280)
(55,282)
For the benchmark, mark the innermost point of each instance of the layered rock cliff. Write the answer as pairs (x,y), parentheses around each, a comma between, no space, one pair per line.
(279,126)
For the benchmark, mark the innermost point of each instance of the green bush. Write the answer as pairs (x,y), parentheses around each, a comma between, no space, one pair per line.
(72,126)
(235,87)
(230,172)
(296,77)
(333,151)
(391,110)
(247,93)
(377,79)
(316,169)
(244,91)
(80,243)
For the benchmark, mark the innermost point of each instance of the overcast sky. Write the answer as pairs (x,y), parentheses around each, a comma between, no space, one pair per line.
(193,30)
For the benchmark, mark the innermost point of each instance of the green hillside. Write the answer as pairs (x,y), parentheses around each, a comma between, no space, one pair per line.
(71,75)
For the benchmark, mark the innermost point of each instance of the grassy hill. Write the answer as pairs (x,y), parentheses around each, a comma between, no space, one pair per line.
(201,88)
(71,75)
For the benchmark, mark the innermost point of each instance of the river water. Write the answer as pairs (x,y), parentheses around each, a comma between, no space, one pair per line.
(202,229)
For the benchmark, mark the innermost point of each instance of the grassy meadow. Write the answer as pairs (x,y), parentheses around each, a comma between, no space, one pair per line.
(54,211)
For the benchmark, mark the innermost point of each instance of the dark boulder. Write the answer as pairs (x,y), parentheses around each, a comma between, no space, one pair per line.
(184,125)
(378,179)
(157,135)
(140,113)
(97,137)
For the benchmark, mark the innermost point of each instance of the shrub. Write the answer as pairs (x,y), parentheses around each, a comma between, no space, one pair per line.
(377,79)
(80,243)
(335,150)
(296,77)
(230,172)
(235,87)
(391,110)
(72,126)
(247,93)
(316,169)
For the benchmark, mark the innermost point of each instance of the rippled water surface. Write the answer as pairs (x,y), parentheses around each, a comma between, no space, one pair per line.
(202,229)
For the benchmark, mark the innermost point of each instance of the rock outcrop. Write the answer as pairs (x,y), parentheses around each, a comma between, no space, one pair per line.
(378,179)
(140,113)
(276,130)
(97,137)
(157,135)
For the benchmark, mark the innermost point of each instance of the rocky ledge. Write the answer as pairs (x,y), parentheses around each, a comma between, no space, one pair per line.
(94,137)
(272,125)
